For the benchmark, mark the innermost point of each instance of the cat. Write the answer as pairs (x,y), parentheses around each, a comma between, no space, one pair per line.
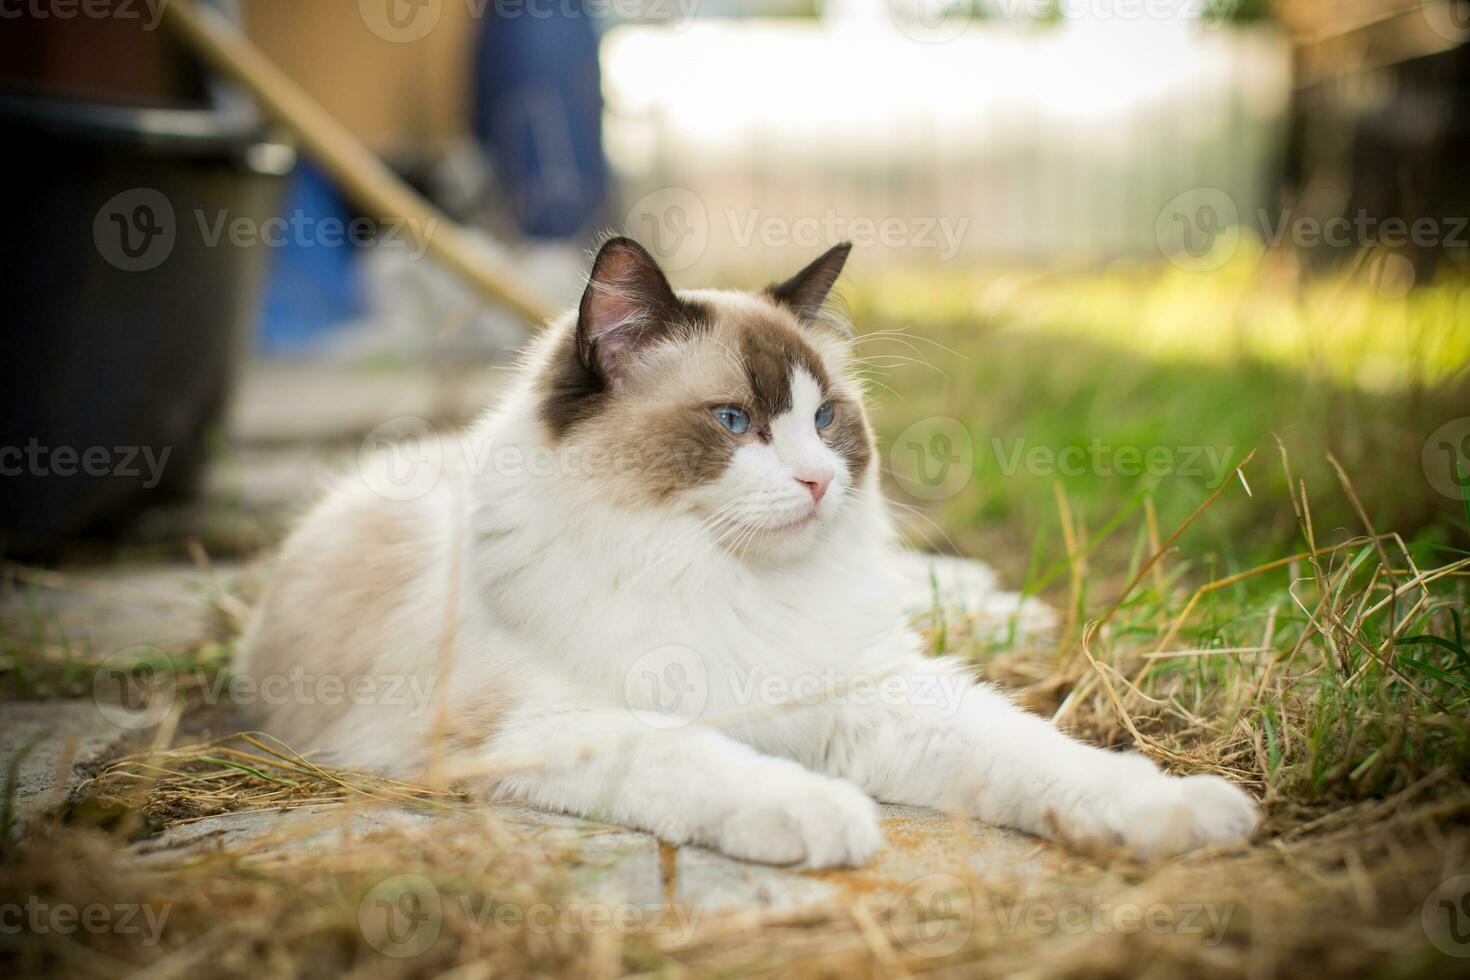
(658,585)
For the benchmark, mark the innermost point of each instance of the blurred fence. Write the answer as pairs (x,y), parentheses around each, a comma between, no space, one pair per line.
(736,143)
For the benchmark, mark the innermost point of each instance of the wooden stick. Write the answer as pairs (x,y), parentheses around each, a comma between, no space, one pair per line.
(366,181)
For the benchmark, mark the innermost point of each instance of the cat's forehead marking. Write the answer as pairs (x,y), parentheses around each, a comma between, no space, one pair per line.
(771,352)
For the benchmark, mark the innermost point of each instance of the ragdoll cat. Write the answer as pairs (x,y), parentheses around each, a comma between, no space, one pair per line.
(657,585)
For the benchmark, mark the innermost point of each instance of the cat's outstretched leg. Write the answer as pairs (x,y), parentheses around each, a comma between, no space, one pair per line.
(686,785)
(981,755)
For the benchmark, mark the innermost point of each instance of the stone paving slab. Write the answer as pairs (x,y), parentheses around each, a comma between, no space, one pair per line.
(302,402)
(89,611)
(615,865)
(51,744)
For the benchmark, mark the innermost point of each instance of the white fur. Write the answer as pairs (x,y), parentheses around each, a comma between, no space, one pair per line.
(717,681)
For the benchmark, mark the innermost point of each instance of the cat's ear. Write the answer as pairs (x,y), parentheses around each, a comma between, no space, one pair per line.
(805,292)
(628,303)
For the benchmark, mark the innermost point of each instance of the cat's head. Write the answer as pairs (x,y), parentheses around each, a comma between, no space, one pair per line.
(736,408)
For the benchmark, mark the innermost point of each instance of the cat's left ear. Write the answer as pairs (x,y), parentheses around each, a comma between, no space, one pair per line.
(805,292)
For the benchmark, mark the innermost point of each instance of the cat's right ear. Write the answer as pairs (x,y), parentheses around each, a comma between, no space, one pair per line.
(628,303)
(805,292)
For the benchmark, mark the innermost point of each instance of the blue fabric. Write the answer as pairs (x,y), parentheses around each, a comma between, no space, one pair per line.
(537,105)
(314,284)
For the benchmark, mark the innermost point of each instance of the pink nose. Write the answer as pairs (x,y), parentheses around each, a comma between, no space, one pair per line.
(817,483)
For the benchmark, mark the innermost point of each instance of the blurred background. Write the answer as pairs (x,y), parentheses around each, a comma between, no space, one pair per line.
(1107,247)
(1164,310)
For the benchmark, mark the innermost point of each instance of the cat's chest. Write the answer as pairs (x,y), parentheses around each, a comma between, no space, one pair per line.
(736,626)
(720,656)
(595,613)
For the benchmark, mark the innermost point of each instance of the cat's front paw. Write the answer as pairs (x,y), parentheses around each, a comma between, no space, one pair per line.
(1179,815)
(817,823)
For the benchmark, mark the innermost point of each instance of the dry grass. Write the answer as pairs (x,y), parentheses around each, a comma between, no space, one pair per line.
(246,773)
(1339,895)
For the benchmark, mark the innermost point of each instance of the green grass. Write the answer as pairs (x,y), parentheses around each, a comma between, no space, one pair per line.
(1196,369)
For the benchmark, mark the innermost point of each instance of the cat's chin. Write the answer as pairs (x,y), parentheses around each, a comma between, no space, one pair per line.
(807,521)
(780,541)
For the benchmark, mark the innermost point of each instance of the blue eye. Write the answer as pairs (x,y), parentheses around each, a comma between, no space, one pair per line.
(732,418)
(824,415)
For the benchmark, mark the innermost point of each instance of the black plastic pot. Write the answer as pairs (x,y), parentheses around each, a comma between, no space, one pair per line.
(125,316)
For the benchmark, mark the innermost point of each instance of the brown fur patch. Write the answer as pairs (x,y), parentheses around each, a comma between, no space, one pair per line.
(477,718)
(683,448)
(850,436)
(770,350)
(345,588)
(665,425)
(576,390)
